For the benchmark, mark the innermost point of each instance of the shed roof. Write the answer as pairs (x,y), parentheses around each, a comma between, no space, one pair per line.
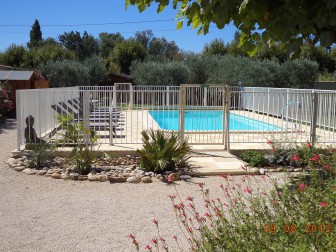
(15,75)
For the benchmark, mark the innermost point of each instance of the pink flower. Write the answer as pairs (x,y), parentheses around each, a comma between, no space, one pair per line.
(189,198)
(148,247)
(154,241)
(274,150)
(327,166)
(323,204)
(224,176)
(269,142)
(207,215)
(247,190)
(302,187)
(315,158)
(308,144)
(295,157)
(170,178)
(155,222)
(131,236)
(200,184)
(190,230)
(175,237)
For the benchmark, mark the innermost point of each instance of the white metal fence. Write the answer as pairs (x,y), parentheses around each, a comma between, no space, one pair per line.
(205,114)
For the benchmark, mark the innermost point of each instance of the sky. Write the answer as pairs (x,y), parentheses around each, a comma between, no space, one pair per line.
(17,17)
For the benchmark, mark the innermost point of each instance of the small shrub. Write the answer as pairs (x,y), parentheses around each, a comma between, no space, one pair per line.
(75,134)
(254,158)
(163,151)
(39,153)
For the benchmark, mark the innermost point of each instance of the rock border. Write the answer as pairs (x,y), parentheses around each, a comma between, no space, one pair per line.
(127,174)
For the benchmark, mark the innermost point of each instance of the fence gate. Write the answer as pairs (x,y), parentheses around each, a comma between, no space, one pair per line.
(204,114)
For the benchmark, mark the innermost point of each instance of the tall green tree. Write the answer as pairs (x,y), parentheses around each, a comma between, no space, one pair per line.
(216,47)
(35,34)
(126,52)
(84,46)
(160,47)
(290,21)
(144,37)
(107,42)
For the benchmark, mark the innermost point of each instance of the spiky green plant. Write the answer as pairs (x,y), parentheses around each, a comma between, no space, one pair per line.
(163,151)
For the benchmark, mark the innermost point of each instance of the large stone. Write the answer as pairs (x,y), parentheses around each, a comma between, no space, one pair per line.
(74,176)
(279,169)
(133,180)
(93,177)
(56,175)
(298,170)
(31,172)
(82,177)
(262,171)
(65,176)
(185,177)
(113,179)
(19,168)
(41,173)
(146,179)
(12,162)
(103,178)
(255,171)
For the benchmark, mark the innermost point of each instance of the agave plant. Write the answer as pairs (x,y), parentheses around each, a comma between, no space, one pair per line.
(163,151)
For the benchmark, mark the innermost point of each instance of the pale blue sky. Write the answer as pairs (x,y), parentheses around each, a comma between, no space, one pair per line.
(59,12)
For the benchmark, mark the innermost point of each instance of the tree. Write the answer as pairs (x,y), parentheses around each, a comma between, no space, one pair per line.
(45,52)
(216,47)
(14,55)
(107,42)
(144,37)
(84,47)
(97,70)
(126,52)
(35,34)
(290,22)
(160,47)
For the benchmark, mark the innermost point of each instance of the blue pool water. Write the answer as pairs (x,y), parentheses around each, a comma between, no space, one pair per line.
(208,120)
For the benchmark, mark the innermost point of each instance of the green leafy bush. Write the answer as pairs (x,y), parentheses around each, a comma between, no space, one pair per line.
(160,73)
(66,73)
(39,153)
(163,151)
(254,158)
(83,141)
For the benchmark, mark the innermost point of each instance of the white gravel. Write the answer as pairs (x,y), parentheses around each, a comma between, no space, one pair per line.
(44,214)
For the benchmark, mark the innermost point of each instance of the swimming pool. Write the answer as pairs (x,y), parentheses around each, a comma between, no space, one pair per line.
(208,120)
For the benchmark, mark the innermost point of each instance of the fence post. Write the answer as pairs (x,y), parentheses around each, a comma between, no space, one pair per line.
(167,96)
(131,97)
(313,121)
(182,111)
(18,118)
(227,117)
(86,115)
(205,98)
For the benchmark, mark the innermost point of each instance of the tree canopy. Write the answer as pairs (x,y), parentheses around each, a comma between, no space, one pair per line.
(35,34)
(292,22)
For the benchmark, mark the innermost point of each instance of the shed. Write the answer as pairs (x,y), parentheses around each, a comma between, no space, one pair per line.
(116,78)
(21,79)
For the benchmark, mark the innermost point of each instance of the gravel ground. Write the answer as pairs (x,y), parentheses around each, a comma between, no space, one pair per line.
(44,214)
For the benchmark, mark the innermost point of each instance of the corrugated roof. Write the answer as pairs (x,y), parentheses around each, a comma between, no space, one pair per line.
(4,74)
(15,75)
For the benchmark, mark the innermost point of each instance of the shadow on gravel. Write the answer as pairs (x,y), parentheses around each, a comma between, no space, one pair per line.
(8,124)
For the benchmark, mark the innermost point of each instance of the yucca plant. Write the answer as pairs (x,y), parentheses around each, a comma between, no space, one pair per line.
(163,151)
